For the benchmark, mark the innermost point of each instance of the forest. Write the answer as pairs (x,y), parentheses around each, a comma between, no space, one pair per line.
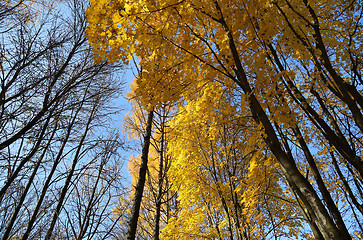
(245,119)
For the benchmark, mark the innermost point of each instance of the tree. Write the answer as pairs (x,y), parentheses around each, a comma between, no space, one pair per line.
(296,66)
(53,101)
(139,189)
(153,206)
(225,191)
(154,209)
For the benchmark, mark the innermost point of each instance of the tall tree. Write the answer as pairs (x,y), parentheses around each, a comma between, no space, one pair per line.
(139,188)
(53,97)
(296,66)
(156,194)
(227,189)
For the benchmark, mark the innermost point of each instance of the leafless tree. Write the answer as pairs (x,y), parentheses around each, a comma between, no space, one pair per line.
(60,162)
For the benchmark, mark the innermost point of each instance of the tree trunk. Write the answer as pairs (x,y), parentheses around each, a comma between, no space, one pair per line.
(306,192)
(160,186)
(132,225)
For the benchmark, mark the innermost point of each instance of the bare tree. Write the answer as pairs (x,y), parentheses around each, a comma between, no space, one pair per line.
(60,163)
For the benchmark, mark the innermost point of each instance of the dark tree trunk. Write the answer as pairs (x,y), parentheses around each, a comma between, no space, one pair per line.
(132,225)
(160,186)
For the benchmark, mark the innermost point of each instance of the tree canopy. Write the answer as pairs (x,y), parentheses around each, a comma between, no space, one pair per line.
(269,88)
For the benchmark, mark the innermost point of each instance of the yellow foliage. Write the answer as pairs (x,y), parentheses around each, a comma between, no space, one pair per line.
(190,52)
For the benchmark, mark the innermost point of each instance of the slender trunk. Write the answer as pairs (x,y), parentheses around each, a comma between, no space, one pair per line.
(160,186)
(132,225)
(30,182)
(49,178)
(333,209)
(22,163)
(70,175)
(87,215)
(346,184)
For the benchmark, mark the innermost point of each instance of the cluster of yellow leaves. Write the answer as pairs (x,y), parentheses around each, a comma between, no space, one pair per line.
(181,44)
(187,34)
(222,182)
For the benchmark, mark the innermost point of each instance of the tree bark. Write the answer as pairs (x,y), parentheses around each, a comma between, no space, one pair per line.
(160,186)
(306,192)
(132,225)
